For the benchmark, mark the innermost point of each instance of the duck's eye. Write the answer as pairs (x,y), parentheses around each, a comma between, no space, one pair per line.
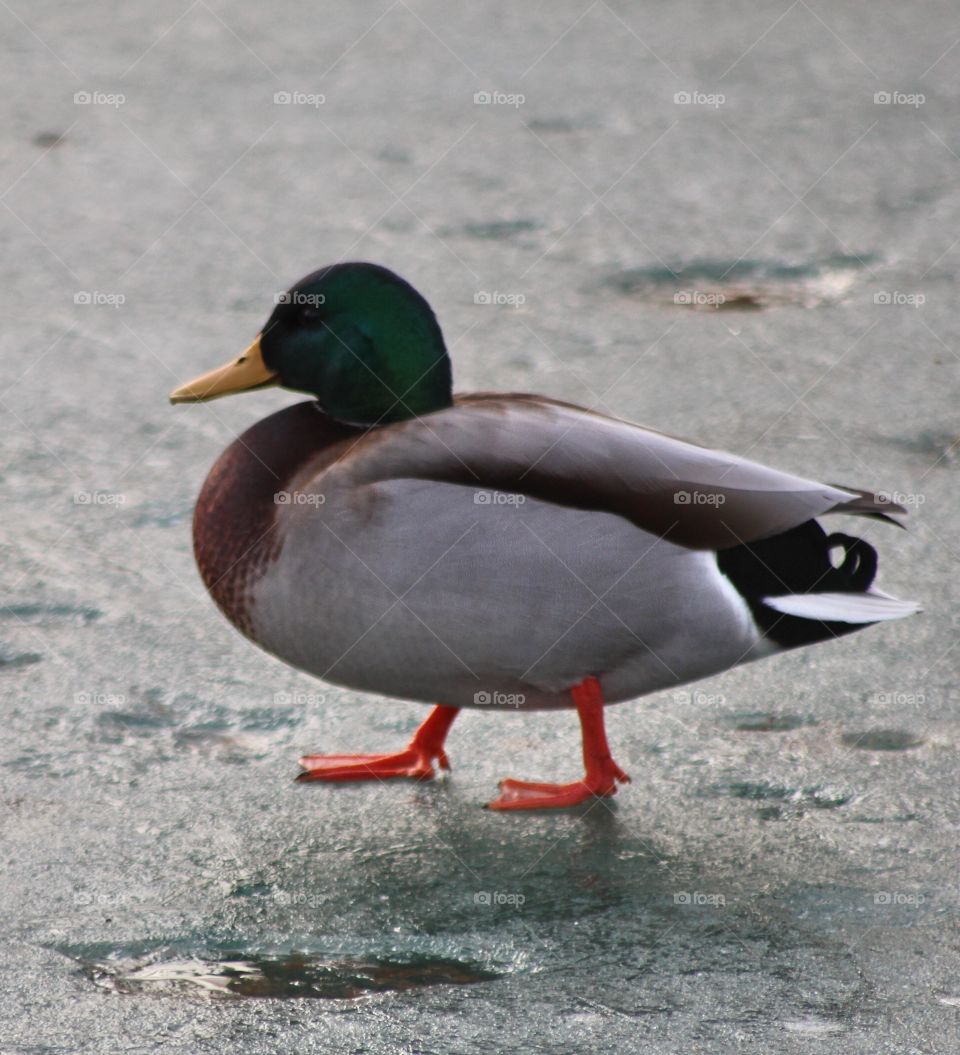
(310,313)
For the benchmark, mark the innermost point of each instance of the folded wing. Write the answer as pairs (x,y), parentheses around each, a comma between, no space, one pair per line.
(556,452)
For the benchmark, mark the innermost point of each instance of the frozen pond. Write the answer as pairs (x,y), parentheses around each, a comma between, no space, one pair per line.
(781,875)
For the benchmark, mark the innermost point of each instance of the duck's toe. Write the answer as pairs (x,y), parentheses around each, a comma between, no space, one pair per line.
(415,761)
(410,763)
(529,795)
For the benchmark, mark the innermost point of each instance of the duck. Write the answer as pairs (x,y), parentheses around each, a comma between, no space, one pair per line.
(501,551)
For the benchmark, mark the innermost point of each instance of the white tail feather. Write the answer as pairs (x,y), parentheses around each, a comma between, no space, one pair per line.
(869,607)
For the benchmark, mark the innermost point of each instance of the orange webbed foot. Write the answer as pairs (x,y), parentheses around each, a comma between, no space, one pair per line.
(417,765)
(602,773)
(415,762)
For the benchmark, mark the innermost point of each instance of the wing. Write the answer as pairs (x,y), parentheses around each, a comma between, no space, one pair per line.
(559,453)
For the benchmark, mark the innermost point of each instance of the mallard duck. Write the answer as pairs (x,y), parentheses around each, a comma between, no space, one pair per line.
(495,550)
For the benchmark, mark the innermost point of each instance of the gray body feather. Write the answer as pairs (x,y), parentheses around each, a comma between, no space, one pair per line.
(497,553)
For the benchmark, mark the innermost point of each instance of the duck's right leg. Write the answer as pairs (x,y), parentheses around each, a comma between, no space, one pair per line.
(415,761)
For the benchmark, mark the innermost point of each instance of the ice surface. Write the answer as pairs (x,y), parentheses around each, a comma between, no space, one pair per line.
(781,874)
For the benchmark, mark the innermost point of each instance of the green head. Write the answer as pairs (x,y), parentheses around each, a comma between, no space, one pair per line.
(355,336)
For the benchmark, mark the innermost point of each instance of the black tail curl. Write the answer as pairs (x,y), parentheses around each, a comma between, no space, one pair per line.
(798,561)
(859,567)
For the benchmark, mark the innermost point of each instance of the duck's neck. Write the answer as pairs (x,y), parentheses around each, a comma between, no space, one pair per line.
(234,523)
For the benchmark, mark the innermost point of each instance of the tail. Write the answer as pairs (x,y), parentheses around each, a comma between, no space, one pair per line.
(799,596)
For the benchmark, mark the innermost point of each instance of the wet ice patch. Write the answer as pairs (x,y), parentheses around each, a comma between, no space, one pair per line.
(561,125)
(818,797)
(882,740)
(15,660)
(813,1027)
(500,230)
(287,976)
(186,723)
(887,905)
(47,140)
(742,285)
(161,514)
(778,802)
(767,722)
(941,445)
(46,614)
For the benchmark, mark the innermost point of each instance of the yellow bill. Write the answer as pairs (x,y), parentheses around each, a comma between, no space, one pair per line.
(240,375)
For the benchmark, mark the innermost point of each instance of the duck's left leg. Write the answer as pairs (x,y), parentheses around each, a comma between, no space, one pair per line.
(415,761)
(602,773)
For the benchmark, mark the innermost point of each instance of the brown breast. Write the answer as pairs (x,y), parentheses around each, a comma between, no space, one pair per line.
(235,536)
